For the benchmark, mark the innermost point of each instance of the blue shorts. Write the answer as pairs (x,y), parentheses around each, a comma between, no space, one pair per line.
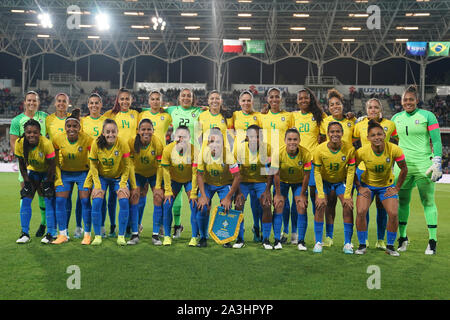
(70,178)
(176,186)
(257,188)
(296,189)
(312,179)
(211,190)
(338,187)
(37,176)
(378,191)
(141,180)
(112,183)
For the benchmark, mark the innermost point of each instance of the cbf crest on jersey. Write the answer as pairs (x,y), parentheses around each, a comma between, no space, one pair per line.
(132,116)
(300,163)
(283,118)
(417,121)
(254,118)
(153,152)
(80,149)
(41,154)
(343,158)
(162,117)
(116,153)
(349,124)
(385,128)
(193,115)
(388,159)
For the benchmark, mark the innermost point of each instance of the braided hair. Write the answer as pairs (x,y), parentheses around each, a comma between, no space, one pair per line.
(26,144)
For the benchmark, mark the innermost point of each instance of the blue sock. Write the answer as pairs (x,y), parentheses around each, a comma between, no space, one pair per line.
(362,236)
(286,216)
(104,209)
(124,212)
(195,225)
(312,196)
(134,217)
(25,214)
(381,223)
(61,213)
(97,215)
(241,231)
(266,228)
(157,216)
(142,203)
(302,224)
(391,236)
(68,208)
(86,212)
(348,232)
(277,221)
(294,217)
(329,229)
(112,204)
(318,231)
(202,217)
(256,211)
(167,217)
(78,213)
(50,216)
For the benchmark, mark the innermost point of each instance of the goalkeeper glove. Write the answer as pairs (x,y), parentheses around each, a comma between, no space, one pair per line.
(48,189)
(27,190)
(435,169)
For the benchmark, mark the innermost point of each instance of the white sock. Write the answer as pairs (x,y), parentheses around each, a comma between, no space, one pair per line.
(87,233)
(63,232)
(134,233)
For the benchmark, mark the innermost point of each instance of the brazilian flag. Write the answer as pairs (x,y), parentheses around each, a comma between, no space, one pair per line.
(438,49)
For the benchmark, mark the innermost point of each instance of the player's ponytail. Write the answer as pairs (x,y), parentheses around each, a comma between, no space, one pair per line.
(116,108)
(26,144)
(138,142)
(101,140)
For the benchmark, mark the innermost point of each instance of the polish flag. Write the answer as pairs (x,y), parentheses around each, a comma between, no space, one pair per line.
(232,46)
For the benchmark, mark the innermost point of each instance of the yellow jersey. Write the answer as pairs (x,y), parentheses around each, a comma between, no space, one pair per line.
(111,162)
(334,167)
(253,166)
(180,168)
(38,155)
(379,171)
(127,122)
(292,169)
(275,126)
(147,161)
(55,125)
(161,122)
(360,131)
(73,156)
(242,120)
(92,126)
(208,121)
(217,171)
(308,129)
(347,125)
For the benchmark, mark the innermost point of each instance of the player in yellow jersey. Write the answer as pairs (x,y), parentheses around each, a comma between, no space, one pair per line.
(161,122)
(253,157)
(92,125)
(179,170)
(109,164)
(374,110)
(378,179)
(334,170)
(307,121)
(336,108)
(125,117)
(294,170)
(146,153)
(55,122)
(72,148)
(213,118)
(37,165)
(218,173)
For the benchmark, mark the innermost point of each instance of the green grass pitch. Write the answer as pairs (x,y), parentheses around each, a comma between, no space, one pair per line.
(35,271)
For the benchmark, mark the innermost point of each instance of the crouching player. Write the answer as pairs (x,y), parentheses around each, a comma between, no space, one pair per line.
(109,165)
(179,170)
(334,170)
(378,180)
(37,166)
(146,153)
(72,148)
(293,173)
(218,173)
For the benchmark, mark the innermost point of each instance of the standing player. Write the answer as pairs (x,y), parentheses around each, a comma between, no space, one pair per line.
(253,157)
(334,170)
(161,122)
(378,179)
(109,165)
(146,153)
(374,110)
(415,128)
(239,123)
(31,105)
(179,170)
(37,166)
(307,121)
(213,118)
(336,107)
(218,173)
(294,170)
(72,148)
(186,114)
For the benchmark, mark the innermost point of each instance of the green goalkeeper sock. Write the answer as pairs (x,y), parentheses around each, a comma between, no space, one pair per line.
(403,211)
(42,207)
(176,210)
(426,191)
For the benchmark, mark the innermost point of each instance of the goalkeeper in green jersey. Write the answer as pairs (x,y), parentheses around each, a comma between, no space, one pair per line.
(415,128)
